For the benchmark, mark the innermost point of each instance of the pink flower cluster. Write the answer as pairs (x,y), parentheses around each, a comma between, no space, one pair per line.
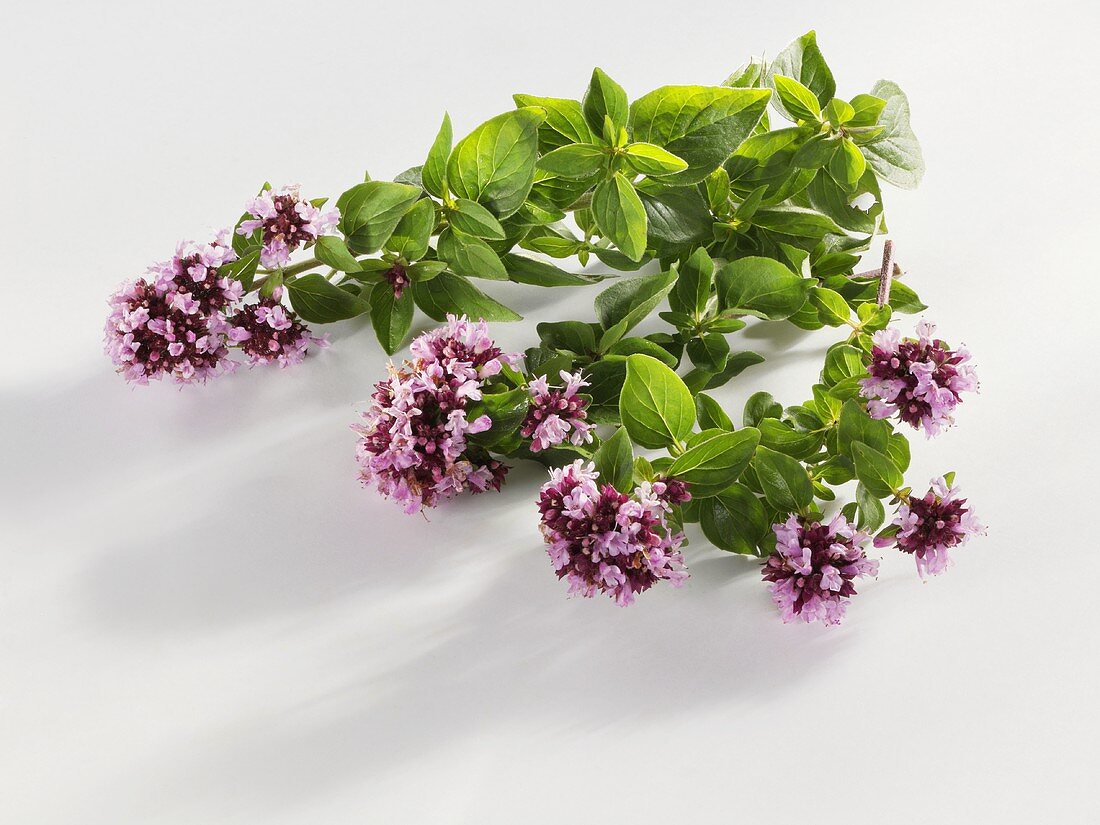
(171,323)
(813,567)
(412,444)
(267,332)
(929,527)
(287,223)
(554,413)
(921,380)
(604,541)
(183,317)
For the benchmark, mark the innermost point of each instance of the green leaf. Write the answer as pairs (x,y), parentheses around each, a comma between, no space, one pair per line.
(718,189)
(632,299)
(604,98)
(564,122)
(895,155)
(244,268)
(694,278)
(760,407)
(796,221)
(710,413)
(798,100)
(780,437)
(785,482)
(871,511)
(702,125)
(630,346)
(505,409)
(321,302)
(714,464)
(842,361)
(838,112)
(897,448)
(425,270)
(677,219)
(369,212)
(650,159)
(574,336)
(761,287)
(469,256)
(495,164)
(414,231)
(450,293)
(577,160)
(333,252)
(831,306)
(553,245)
(709,351)
(474,219)
(816,152)
(747,76)
(876,471)
(655,405)
(615,461)
(735,365)
(866,110)
(434,173)
(847,165)
(735,520)
(857,425)
(605,383)
(524,270)
(391,317)
(620,215)
(802,60)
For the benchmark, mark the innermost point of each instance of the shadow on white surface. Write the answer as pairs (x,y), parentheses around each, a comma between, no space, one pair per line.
(444,632)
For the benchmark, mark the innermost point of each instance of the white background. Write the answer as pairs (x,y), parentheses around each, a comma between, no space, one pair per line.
(203,618)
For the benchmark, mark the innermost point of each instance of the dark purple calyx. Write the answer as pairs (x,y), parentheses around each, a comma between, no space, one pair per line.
(398,278)
(939,523)
(896,366)
(287,223)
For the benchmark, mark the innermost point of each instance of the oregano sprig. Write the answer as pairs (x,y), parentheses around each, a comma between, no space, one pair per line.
(751,201)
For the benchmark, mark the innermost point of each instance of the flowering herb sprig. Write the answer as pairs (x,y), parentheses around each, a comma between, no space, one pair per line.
(744,215)
(680,169)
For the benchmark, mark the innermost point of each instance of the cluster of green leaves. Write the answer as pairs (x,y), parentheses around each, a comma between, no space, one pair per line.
(779,460)
(695,177)
(744,218)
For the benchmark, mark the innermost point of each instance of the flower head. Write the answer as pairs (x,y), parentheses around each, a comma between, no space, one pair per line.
(921,380)
(171,323)
(412,444)
(287,222)
(604,541)
(555,413)
(464,347)
(398,278)
(813,567)
(195,271)
(929,527)
(268,332)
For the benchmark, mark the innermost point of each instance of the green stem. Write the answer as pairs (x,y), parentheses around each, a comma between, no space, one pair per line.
(294,269)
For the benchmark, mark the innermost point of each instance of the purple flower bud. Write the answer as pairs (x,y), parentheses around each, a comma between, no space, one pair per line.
(813,567)
(267,332)
(554,413)
(287,221)
(398,278)
(603,541)
(170,323)
(412,445)
(929,527)
(920,380)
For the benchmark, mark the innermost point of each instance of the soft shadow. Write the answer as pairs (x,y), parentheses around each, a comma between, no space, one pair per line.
(514,654)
